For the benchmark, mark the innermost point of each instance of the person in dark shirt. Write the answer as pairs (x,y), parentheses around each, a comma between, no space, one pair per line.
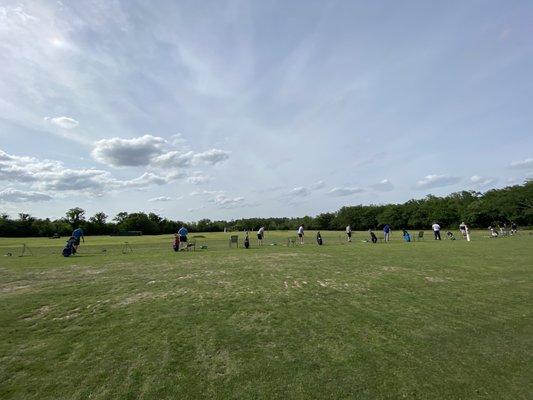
(387,232)
(77,234)
(183,236)
(373,236)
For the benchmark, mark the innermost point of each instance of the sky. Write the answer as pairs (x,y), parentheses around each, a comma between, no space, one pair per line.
(230,109)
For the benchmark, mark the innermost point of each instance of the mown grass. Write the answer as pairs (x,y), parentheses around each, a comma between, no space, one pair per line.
(423,320)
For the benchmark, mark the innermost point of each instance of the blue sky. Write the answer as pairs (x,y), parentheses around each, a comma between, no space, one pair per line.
(236,109)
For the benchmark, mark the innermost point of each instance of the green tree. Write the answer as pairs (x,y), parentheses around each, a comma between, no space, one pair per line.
(75,216)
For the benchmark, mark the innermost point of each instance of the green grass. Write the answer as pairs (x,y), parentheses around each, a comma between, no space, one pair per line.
(423,320)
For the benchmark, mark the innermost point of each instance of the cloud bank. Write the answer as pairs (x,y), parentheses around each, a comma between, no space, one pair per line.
(18,196)
(154,151)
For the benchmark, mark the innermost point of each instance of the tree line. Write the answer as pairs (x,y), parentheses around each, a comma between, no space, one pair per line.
(478,210)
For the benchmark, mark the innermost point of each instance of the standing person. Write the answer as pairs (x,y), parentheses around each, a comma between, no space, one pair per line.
(183,236)
(301,234)
(462,228)
(77,234)
(349,233)
(436,230)
(386,232)
(260,236)
(467,233)
(319,238)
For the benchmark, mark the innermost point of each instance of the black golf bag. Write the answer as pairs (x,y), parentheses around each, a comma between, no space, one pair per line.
(246,242)
(69,249)
(319,239)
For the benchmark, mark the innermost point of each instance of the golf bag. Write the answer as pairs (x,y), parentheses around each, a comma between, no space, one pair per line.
(69,249)
(373,237)
(450,235)
(246,242)
(319,239)
(176,244)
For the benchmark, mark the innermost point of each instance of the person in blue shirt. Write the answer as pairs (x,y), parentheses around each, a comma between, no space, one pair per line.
(77,234)
(183,236)
(386,232)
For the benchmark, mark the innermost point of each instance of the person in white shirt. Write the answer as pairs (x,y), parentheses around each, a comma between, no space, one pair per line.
(260,235)
(349,233)
(436,230)
(301,234)
(462,228)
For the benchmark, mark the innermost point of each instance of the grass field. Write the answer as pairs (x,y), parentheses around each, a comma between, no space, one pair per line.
(423,320)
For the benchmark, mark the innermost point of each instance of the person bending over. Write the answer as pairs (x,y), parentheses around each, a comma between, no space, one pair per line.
(77,234)
(260,236)
(301,234)
(436,230)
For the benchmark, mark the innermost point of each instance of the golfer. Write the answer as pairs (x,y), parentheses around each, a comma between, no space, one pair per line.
(349,233)
(319,238)
(462,228)
(260,236)
(436,230)
(77,234)
(387,232)
(301,234)
(373,236)
(183,236)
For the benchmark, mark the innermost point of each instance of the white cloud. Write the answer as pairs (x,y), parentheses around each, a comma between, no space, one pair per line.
(299,191)
(154,151)
(206,192)
(524,164)
(49,175)
(383,186)
(63,122)
(435,181)
(177,139)
(198,179)
(73,179)
(212,156)
(172,159)
(481,182)
(344,191)
(318,185)
(223,201)
(18,196)
(134,152)
(160,199)
(146,179)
